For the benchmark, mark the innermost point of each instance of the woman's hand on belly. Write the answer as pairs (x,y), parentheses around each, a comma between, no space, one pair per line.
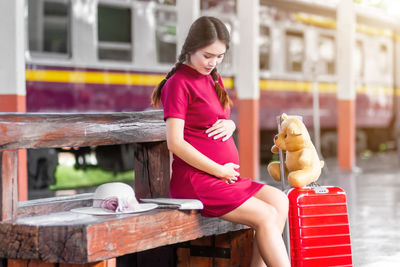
(221,129)
(228,173)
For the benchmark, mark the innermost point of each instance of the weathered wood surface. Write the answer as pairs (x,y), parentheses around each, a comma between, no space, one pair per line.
(80,238)
(152,173)
(8,185)
(53,204)
(37,263)
(36,130)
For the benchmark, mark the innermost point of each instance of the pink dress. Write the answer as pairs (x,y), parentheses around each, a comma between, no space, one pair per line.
(190,96)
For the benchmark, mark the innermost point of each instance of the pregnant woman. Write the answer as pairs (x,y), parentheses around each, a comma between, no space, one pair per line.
(206,162)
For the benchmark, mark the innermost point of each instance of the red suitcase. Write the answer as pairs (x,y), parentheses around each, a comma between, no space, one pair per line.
(317,232)
(319,227)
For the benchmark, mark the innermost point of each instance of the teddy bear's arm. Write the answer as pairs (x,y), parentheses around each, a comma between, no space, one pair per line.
(275,149)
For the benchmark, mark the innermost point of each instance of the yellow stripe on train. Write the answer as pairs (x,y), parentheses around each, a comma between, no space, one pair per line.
(326,22)
(297,86)
(154,79)
(100,77)
(93,77)
(301,86)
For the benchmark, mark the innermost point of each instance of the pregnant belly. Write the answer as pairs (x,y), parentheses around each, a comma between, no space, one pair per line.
(217,150)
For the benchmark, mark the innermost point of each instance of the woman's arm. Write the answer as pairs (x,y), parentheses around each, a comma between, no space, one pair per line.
(192,156)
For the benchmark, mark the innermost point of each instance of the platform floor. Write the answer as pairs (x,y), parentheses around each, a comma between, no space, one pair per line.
(373,193)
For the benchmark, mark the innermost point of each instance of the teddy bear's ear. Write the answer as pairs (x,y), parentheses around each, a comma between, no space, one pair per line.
(294,129)
(283,117)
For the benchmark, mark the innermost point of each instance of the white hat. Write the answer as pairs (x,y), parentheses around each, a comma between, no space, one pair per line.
(115,198)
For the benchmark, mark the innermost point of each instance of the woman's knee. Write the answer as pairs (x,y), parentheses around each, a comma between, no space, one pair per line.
(267,217)
(275,197)
(255,213)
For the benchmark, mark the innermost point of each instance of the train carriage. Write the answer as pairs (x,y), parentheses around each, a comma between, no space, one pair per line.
(107,55)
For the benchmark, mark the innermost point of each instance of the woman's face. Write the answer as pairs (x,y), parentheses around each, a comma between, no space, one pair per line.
(207,58)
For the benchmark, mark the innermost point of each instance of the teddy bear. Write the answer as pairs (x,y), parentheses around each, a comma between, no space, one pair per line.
(302,164)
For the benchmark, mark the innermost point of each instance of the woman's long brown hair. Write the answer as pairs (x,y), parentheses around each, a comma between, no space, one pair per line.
(203,32)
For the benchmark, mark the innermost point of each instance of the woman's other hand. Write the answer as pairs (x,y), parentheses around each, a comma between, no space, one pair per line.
(228,173)
(221,128)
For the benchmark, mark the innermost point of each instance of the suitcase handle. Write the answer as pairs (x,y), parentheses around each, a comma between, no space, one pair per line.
(318,189)
(281,157)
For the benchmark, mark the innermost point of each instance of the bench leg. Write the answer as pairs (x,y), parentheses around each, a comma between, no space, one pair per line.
(38,263)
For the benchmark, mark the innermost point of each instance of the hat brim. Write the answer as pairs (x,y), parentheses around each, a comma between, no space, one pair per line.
(100,211)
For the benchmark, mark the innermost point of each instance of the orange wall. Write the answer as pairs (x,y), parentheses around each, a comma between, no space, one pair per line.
(17,103)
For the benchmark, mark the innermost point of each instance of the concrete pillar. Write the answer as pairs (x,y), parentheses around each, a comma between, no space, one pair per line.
(187,12)
(346,22)
(248,89)
(12,73)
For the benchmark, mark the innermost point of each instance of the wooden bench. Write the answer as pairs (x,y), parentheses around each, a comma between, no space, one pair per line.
(45,233)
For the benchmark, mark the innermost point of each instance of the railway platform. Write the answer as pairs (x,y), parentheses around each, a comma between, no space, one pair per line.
(373,195)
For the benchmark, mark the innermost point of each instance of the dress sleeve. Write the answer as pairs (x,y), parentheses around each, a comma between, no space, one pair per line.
(175,99)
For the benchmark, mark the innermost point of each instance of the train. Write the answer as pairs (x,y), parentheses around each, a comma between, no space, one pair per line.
(107,56)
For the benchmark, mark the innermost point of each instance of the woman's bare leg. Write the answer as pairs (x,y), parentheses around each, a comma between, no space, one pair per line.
(256,259)
(278,199)
(265,219)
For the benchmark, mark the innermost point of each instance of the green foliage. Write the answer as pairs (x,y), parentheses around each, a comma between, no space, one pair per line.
(275,157)
(383,147)
(68,177)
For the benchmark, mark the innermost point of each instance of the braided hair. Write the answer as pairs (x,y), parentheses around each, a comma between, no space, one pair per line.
(203,32)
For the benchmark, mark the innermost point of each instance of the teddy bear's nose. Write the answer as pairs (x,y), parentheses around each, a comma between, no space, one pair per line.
(276,137)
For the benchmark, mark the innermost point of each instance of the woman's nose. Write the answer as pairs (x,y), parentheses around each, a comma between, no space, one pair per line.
(212,62)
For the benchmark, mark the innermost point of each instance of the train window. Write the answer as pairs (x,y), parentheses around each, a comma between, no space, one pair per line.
(114,33)
(228,57)
(49,26)
(166,36)
(383,59)
(359,59)
(294,51)
(326,54)
(226,6)
(265,43)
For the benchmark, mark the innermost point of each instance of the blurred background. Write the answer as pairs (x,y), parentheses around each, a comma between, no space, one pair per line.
(107,55)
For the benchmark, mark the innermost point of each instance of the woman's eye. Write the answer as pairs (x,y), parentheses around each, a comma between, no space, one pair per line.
(207,57)
(221,56)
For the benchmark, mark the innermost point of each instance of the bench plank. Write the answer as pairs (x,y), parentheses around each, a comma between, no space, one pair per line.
(35,130)
(53,204)
(80,238)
